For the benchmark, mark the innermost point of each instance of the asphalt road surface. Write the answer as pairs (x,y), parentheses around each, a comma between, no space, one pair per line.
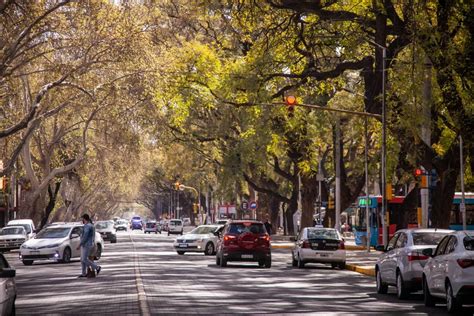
(143,275)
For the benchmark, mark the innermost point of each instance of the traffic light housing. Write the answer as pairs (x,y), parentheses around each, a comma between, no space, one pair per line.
(290,101)
(331,204)
(389,191)
(195,208)
(176,185)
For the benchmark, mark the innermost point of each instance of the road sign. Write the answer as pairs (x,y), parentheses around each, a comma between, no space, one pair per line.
(253,205)
(245,205)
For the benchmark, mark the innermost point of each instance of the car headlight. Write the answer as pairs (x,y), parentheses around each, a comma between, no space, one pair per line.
(24,246)
(52,246)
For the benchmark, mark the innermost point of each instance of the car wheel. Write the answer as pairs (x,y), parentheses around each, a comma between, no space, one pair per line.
(333,265)
(113,241)
(452,304)
(268,263)
(181,253)
(99,252)
(342,265)
(261,263)
(223,262)
(27,262)
(218,260)
(168,233)
(294,262)
(402,291)
(382,288)
(300,263)
(428,299)
(209,249)
(66,255)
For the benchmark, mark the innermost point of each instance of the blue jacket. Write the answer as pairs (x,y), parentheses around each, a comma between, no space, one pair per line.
(88,235)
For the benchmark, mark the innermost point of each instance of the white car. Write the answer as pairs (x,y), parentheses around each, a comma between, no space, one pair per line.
(7,288)
(58,243)
(106,230)
(175,227)
(12,237)
(28,224)
(200,239)
(449,274)
(319,245)
(402,262)
(121,224)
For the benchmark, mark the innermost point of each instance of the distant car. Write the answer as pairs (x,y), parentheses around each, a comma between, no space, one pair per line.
(152,227)
(12,237)
(136,223)
(186,221)
(106,230)
(403,260)
(200,239)
(28,224)
(7,287)
(244,241)
(57,243)
(319,245)
(449,274)
(121,224)
(175,227)
(221,221)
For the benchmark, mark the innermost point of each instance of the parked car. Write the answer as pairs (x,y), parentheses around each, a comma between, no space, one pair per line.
(136,223)
(449,273)
(28,224)
(121,225)
(186,221)
(319,245)
(221,222)
(57,243)
(175,227)
(402,262)
(244,240)
(200,239)
(12,237)
(7,287)
(152,227)
(106,230)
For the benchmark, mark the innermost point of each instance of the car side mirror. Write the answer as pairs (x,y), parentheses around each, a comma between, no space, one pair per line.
(428,252)
(7,273)
(381,248)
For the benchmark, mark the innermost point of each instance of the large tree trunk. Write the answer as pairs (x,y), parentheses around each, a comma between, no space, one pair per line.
(51,204)
(309,195)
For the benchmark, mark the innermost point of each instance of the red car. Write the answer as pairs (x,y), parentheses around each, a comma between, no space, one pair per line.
(244,240)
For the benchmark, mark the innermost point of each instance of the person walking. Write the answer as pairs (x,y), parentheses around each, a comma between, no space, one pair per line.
(87,245)
(268,227)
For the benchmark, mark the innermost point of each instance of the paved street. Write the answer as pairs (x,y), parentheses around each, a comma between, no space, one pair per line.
(143,275)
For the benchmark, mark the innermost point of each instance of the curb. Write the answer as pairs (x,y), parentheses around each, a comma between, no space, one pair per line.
(369,271)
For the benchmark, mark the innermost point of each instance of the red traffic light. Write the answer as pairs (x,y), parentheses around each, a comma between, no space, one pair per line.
(418,172)
(290,100)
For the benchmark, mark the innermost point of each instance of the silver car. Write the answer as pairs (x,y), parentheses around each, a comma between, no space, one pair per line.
(402,263)
(7,288)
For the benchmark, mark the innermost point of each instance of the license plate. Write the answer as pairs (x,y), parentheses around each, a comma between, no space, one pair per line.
(324,255)
(315,244)
(183,245)
(247,256)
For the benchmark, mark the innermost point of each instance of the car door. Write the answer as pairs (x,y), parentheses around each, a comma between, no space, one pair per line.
(386,257)
(75,241)
(299,243)
(7,290)
(444,261)
(436,280)
(398,255)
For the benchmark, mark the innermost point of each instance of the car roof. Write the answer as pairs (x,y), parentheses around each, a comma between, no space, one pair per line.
(13,226)
(18,221)
(66,225)
(426,230)
(241,221)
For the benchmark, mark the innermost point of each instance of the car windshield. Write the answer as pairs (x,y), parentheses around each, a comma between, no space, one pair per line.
(240,228)
(13,231)
(102,225)
(150,224)
(26,226)
(175,223)
(322,234)
(203,230)
(122,222)
(53,232)
(427,238)
(136,218)
(469,242)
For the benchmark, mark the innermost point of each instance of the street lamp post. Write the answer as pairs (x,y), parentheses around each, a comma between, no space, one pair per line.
(462,206)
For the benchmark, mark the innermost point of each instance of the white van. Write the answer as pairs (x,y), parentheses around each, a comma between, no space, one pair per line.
(27,224)
(175,226)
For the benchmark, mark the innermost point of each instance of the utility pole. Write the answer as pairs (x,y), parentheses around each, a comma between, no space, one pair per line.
(338,175)
(462,206)
(366,163)
(384,151)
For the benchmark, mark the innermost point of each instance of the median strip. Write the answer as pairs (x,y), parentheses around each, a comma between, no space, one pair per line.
(366,270)
(144,310)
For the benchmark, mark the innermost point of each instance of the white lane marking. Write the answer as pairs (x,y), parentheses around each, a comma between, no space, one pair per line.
(144,310)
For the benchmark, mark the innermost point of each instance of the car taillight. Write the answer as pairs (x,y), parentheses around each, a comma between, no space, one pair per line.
(306,244)
(265,237)
(414,256)
(341,245)
(228,239)
(465,263)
